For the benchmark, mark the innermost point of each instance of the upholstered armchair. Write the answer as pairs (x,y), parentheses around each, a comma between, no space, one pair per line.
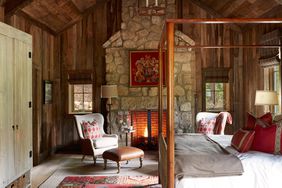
(218,119)
(94,145)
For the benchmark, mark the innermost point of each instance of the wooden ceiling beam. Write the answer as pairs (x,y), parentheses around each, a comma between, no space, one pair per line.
(233,6)
(72,23)
(36,22)
(214,13)
(12,6)
(77,10)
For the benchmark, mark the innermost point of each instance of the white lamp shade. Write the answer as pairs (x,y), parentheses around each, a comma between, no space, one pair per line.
(109,91)
(265,97)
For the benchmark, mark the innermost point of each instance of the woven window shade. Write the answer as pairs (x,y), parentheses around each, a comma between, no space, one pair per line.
(270,56)
(216,75)
(80,77)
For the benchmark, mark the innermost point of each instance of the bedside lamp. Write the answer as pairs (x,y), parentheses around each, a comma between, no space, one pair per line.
(266,97)
(109,92)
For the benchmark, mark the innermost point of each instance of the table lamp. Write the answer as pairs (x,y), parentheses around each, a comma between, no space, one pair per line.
(109,92)
(266,98)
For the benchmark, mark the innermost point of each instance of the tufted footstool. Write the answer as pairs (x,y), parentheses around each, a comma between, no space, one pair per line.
(123,154)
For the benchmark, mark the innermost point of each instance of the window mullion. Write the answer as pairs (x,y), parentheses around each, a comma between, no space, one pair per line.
(213,94)
(73,93)
(83,108)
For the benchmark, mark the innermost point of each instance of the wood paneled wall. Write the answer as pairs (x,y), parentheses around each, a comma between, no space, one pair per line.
(2,11)
(253,72)
(211,34)
(82,51)
(46,66)
(79,48)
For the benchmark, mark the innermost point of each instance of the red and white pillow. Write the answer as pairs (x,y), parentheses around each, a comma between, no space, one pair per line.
(242,140)
(91,130)
(206,126)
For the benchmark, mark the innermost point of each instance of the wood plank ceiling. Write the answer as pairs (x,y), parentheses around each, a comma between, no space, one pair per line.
(58,15)
(243,8)
(53,15)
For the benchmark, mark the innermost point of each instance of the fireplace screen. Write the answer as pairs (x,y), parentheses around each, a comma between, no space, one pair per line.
(145,124)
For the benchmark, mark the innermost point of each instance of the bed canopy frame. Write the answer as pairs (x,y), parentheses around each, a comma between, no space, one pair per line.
(166,145)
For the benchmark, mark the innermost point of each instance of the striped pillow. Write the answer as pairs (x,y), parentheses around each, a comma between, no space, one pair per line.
(91,130)
(242,140)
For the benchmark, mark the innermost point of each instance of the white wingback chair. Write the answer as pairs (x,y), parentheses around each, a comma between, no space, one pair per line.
(206,115)
(96,146)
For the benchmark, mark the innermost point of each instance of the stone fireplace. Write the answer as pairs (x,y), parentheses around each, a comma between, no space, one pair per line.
(143,33)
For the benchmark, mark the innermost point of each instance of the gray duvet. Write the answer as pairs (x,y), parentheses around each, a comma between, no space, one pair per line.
(199,156)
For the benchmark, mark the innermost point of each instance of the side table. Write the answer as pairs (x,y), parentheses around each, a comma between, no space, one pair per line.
(127,131)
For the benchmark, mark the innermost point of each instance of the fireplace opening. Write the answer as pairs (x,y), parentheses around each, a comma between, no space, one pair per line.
(145,124)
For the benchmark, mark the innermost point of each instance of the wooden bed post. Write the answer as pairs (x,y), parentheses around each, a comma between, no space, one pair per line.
(170,103)
(160,102)
(160,112)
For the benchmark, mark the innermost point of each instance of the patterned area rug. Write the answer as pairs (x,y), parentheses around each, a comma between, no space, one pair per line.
(109,182)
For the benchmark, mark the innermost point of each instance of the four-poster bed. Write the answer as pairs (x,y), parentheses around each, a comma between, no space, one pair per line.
(167,145)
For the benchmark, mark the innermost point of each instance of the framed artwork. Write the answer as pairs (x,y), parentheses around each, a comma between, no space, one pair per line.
(144,68)
(47,94)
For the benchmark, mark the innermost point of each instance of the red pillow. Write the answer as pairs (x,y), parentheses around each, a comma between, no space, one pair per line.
(91,130)
(265,120)
(242,140)
(268,140)
(251,122)
(206,126)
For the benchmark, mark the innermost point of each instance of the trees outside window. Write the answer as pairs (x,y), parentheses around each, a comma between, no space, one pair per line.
(216,97)
(80,98)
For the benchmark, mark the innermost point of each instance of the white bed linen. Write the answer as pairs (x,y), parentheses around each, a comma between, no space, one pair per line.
(261,170)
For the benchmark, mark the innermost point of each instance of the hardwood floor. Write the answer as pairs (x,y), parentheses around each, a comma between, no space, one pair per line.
(51,172)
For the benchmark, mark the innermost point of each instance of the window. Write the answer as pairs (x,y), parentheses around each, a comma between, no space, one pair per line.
(80,98)
(216,97)
(276,85)
(272,82)
(216,89)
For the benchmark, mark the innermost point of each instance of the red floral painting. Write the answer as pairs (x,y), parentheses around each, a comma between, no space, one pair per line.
(144,68)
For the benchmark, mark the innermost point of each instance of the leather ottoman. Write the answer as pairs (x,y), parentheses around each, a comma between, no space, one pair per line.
(123,154)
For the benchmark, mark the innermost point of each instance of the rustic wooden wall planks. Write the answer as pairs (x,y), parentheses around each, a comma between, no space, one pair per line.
(253,72)
(247,74)
(2,13)
(79,48)
(211,34)
(81,51)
